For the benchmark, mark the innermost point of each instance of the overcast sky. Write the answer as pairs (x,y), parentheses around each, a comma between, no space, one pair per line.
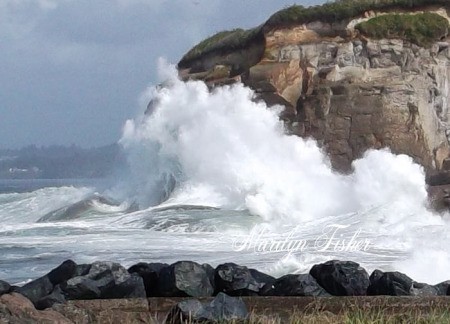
(71,71)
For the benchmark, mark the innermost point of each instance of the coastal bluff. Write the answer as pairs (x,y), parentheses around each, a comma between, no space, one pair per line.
(353,75)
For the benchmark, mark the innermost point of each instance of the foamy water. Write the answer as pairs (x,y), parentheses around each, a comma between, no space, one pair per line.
(213,170)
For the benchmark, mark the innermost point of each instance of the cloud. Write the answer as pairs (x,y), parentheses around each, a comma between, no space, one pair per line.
(72,70)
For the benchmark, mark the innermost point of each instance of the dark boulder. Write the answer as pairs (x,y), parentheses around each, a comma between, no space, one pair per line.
(55,297)
(104,280)
(423,290)
(226,308)
(131,287)
(188,311)
(36,289)
(443,288)
(341,278)
(262,278)
(236,280)
(41,287)
(82,270)
(297,285)
(210,272)
(63,272)
(80,288)
(185,279)
(391,284)
(374,277)
(4,287)
(149,273)
(222,308)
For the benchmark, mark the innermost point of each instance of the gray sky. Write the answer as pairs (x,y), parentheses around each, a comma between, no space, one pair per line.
(71,71)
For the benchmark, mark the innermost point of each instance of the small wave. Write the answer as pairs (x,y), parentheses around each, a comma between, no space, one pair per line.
(91,206)
(182,207)
(187,219)
(17,208)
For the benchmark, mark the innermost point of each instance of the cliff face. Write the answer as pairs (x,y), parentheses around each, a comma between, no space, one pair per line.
(347,90)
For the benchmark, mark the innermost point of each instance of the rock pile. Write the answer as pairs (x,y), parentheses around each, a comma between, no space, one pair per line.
(108,280)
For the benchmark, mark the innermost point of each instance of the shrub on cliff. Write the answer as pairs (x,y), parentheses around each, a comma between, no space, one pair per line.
(229,39)
(421,29)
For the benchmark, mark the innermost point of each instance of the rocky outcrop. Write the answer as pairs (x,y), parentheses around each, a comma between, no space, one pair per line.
(348,91)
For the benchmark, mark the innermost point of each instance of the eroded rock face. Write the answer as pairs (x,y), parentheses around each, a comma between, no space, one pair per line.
(349,92)
(364,93)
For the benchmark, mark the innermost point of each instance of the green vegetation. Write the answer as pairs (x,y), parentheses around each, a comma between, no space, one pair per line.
(229,39)
(421,29)
(341,9)
(296,14)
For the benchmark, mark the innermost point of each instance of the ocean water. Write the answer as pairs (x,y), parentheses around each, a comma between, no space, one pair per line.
(212,177)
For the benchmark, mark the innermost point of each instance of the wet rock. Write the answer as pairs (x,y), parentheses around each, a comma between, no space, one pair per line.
(443,288)
(55,297)
(41,287)
(236,280)
(131,287)
(105,280)
(264,279)
(63,272)
(4,287)
(82,270)
(149,273)
(341,278)
(36,289)
(226,308)
(423,289)
(222,308)
(210,272)
(374,277)
(391,284)
(185,279)
(297,285)
(81,288)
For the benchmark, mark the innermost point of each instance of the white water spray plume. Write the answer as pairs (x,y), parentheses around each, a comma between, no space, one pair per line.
(221,148)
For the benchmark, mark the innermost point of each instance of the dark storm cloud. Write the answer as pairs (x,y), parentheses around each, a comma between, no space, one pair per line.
(71,70)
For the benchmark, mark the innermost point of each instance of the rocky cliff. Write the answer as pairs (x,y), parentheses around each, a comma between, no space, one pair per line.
(349,88)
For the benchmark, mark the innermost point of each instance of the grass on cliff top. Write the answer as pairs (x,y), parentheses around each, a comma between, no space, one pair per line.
(295,15)
(341,10)
(421,29)
(229,39)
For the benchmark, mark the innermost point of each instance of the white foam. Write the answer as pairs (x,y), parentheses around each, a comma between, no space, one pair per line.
(29,207)
(223,149)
